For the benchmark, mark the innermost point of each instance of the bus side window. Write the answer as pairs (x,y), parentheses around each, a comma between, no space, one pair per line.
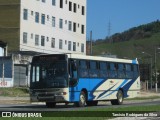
(129,72)
(83,68)
(93,71)
(103,69)
(74,69)
(73,73)
(121,70)
(113,70)
(135,71)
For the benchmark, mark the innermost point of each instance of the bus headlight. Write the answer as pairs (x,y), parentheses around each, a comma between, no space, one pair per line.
(62,93)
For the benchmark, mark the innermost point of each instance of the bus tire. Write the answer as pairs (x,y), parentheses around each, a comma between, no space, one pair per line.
(92,103)
(50,104)
(82,100)
(119,100)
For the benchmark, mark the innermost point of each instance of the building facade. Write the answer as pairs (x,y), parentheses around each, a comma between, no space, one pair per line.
(45,26)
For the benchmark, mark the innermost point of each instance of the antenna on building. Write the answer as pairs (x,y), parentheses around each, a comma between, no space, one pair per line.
(109,32)
(91,43)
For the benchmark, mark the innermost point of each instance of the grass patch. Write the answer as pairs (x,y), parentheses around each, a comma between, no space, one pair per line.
(59,118)
(131,108)
(14,92)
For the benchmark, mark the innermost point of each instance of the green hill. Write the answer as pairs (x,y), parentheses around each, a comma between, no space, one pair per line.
(131,43)
(131,49)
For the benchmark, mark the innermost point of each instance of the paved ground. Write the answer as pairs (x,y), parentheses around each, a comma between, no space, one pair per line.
(26,100)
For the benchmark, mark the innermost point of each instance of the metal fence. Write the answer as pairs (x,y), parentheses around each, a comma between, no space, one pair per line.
(20,75)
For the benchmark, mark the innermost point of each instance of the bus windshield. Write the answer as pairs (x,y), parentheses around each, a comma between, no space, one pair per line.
(49,74)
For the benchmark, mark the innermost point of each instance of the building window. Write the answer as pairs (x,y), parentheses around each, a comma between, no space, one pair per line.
(24,37)
(74,27)
(36,40)
(47,17)
(37,17)
(43,1)
(70,26)
(42,40)
(32,13)
(25,14)
(47,39)
(61,23)
(60,44)
(74,46)
(43,19)
(82,29)
(65,21)
(53,22)
(65,42)
(69,45)
(70,6)
(53,43)
(32,36)
(83,10)
(53,2)
(61,3)
(82,48)
(75,7)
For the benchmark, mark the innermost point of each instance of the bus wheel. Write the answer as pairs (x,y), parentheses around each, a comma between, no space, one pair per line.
(82,100)
(92,103)
(119,100)
(50,104)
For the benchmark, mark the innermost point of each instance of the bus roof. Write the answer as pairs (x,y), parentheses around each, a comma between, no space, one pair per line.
(86,57)
(98,58)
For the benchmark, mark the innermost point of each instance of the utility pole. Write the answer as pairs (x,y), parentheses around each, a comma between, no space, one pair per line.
(155,67)
(156,82)
(91,43)
(109,32)
(109,29)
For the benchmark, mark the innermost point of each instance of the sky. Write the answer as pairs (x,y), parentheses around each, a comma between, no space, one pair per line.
(121,14)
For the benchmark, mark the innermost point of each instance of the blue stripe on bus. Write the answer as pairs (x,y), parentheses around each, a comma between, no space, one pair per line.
(91,96)
(106,91)
(124,82)
(127,87)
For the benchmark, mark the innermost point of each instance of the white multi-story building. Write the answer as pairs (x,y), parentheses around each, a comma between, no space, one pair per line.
(48,26)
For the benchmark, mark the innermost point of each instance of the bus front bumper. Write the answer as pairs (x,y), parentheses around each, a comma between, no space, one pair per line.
(49,96)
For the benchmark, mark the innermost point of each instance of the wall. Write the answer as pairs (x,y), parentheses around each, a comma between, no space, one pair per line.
(9,23)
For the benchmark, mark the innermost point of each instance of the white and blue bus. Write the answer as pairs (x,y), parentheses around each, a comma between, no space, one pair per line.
(83,80)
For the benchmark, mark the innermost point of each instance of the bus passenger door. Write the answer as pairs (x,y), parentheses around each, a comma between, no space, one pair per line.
(73,79)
